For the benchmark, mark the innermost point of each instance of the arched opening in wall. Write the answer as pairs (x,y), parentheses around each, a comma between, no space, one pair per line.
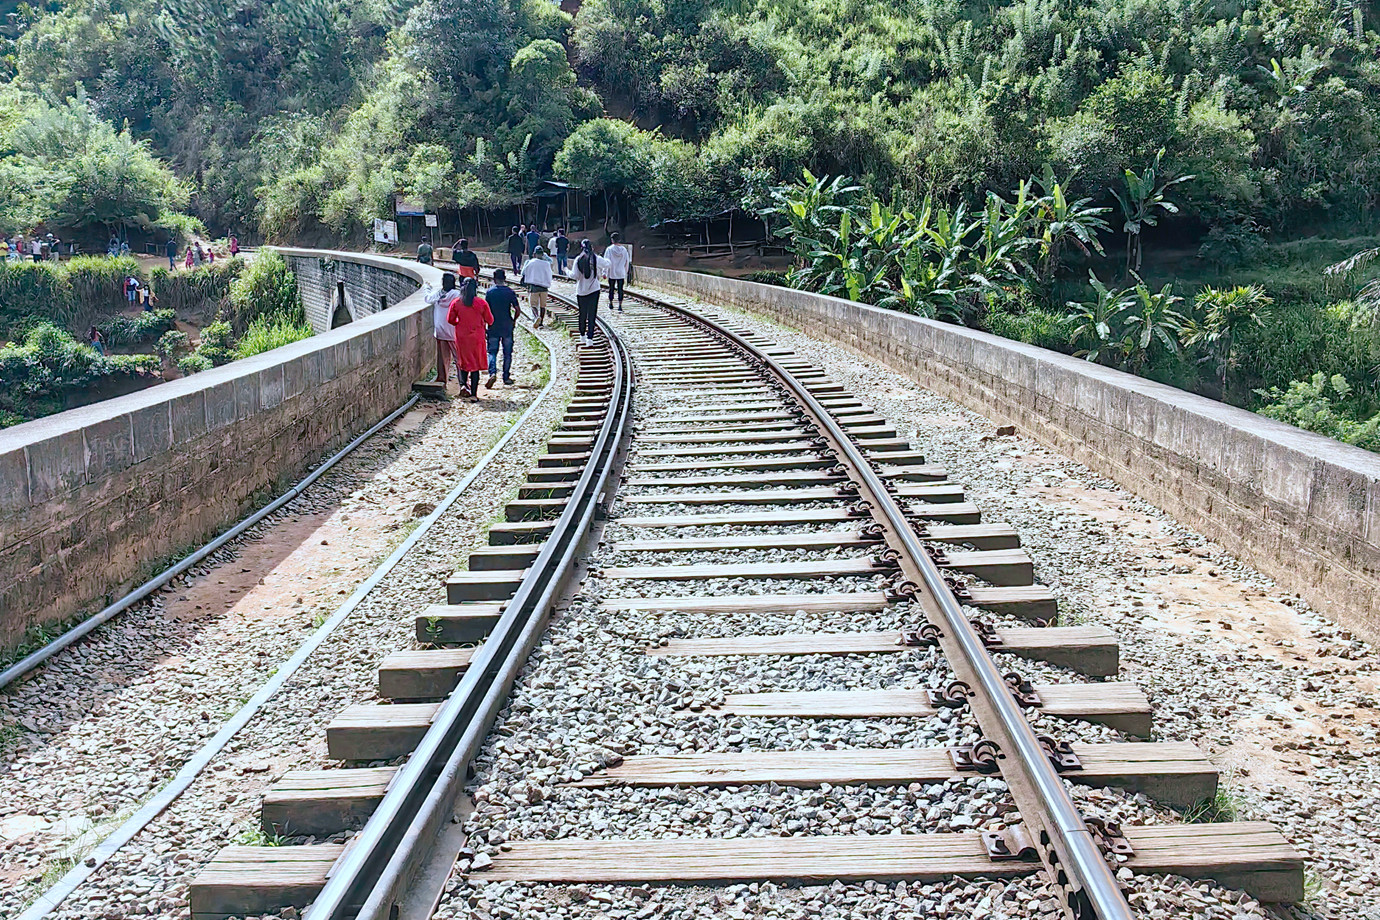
(340,313)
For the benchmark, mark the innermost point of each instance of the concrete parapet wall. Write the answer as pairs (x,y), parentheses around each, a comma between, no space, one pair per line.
(1302,508)
(366,290)
(91,499)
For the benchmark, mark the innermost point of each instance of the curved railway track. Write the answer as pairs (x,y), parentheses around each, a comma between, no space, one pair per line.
(757,493)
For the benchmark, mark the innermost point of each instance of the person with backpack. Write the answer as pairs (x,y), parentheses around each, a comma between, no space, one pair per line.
(466,262)
(446,354)
(561,247)
(536,274)
(517,245)
(587,271)
(620,264)
(469,314)
(424,251)
(504,307)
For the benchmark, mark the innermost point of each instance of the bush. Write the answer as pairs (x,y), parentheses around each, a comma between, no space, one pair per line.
(1320,404)
(217,343)
(266,333)
(49,367)
(200,290)
(266,287)
(71,294)
(135,330)
(194,364)
(780,279)
(171,342)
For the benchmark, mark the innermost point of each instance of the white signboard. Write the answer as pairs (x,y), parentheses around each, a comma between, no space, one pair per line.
(385,231)
(431,220)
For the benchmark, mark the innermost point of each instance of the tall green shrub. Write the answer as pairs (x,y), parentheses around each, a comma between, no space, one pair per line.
(266,287)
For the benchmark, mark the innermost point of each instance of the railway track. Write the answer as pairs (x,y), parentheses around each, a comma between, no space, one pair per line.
(765,515)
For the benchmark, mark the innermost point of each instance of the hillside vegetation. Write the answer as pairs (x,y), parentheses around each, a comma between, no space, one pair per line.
(1217,146)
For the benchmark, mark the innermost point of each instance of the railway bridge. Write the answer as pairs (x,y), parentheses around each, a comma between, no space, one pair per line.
(730,616)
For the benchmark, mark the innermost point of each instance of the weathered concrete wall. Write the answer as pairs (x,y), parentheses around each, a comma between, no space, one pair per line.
(1302,508)
(92,498)
(366,290)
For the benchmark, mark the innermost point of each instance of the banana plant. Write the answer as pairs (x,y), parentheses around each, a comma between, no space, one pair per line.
(1060,222)
(1142,199)
(1150,320)
(1094,325)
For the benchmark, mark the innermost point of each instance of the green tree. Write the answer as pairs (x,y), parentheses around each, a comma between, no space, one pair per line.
(609,156)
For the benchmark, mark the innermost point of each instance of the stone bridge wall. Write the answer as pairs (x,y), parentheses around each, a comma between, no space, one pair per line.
(93,499)
(1302,508)
(367,290)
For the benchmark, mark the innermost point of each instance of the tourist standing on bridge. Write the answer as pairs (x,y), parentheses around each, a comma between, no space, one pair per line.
(424,251)
(517,245)
(620,263)
(536,274)
(466,262)
(469,314)
(561,247)
(503,306)
(445,333)
(589,268)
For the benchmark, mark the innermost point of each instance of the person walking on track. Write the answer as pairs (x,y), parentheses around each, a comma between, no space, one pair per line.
(517,245)
(588,269)
(620,263)
(469,314)
(533,238)
(424,251)
(504,308)
(466,262)
(560,248)
(445,333)
(536,274)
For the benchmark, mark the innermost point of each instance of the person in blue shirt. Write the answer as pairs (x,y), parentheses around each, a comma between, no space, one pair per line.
(503,303)
(533,239)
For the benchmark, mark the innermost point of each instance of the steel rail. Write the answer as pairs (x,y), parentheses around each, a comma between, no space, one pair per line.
(1064,842)
(31,661)
(383,858)
(51,899)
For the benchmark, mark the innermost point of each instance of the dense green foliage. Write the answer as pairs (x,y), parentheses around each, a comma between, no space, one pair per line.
(204,288)
(266,333)
(1317,404)
(63,167)
(45,370)
(70,294)
(146,327)
(266,287)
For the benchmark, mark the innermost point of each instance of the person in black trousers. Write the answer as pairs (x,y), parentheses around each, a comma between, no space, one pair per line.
(517,245)
(587,271)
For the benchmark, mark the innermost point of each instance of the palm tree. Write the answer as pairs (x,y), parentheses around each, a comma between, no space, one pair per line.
(1225,315)
(1141,200)
(1350,270)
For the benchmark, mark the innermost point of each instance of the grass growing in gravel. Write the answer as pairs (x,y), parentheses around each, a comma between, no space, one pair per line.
(1225,805)
(255,837)
(9,734)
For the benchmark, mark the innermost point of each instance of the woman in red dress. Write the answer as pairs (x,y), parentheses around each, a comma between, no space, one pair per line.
(470,316)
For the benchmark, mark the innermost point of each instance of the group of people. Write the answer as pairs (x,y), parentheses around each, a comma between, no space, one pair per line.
(473,331)
(196,256)
(39,248)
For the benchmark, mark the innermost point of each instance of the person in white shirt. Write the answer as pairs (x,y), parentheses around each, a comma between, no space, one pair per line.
(620,261)
(446,354)
(587,270)
(536,274)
